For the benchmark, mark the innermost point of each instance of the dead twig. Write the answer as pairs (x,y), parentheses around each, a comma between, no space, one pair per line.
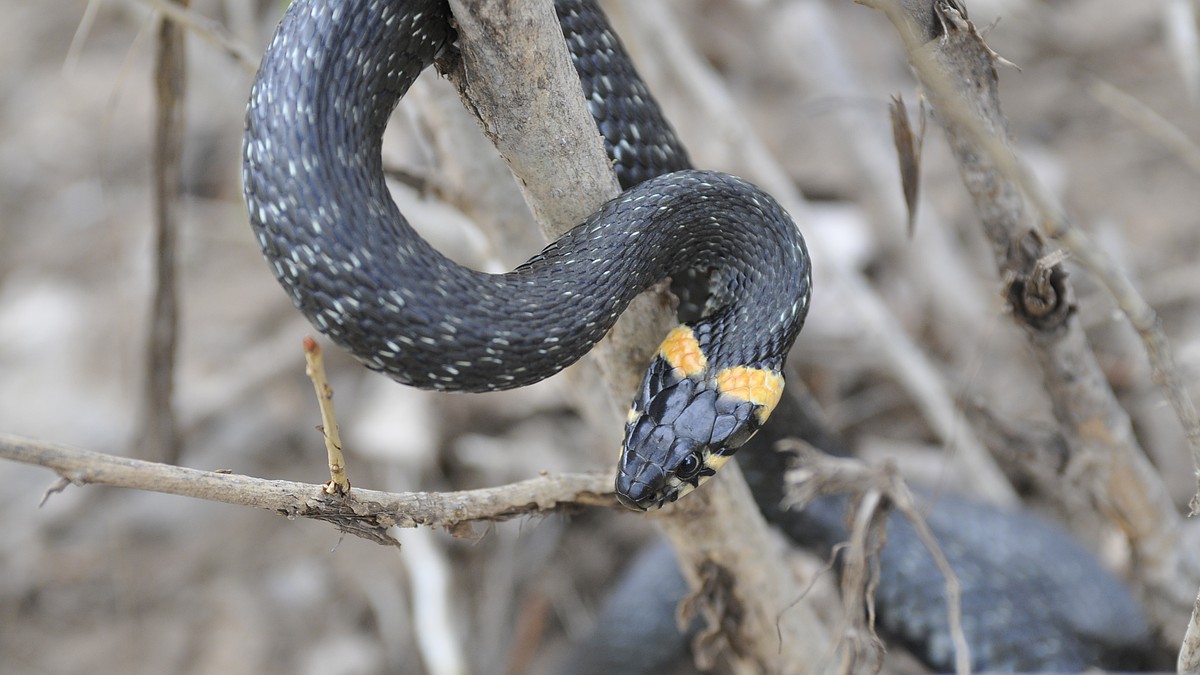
(957,71)
(364,513)
(315,369)
(815,475)
(158,425)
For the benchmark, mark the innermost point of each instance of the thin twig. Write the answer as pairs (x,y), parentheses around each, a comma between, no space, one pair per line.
(859,580)
(818,474)
(158,425)
(904,502)
(206,29)
(364,513)
(315,369)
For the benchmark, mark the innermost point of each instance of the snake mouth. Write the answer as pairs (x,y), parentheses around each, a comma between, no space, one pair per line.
(640,490)
(649,502)
(633,503)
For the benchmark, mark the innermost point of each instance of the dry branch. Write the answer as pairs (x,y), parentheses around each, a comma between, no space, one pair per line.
(548,138)
(957,71)
(314,367)
(817,474)
(365,513)
(158,427)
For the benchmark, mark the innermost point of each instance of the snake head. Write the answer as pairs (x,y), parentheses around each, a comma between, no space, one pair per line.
(687,421)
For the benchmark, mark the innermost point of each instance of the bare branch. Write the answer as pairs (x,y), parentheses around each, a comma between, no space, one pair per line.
(158,427)
(958,72)
(365,513)
(548,138)
(817,474)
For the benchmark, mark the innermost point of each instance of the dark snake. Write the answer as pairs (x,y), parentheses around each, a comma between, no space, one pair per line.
(320,209)
(315,190)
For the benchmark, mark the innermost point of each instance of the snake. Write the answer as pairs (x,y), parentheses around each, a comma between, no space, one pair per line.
(352,264)
(322,215)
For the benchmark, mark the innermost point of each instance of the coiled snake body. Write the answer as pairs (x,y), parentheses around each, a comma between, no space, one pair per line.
(320,208)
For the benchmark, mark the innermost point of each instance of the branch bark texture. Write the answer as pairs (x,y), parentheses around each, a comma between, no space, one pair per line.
(516,76)
(365,513)
(958,72)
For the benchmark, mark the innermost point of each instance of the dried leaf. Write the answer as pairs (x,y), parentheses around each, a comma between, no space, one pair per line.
(908,151)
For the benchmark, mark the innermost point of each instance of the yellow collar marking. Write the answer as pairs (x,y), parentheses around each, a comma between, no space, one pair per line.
(761,387)
(682,351)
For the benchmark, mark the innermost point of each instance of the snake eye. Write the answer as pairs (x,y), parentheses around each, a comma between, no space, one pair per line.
(690,466)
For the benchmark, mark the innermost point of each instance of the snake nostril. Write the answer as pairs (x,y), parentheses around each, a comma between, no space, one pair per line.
(633,489)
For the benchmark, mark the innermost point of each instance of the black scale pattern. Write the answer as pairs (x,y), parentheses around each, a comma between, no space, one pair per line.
(637,136)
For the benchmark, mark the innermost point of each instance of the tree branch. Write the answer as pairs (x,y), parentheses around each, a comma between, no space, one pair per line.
(364,513)
(158,427)
(957,70)
(552,145)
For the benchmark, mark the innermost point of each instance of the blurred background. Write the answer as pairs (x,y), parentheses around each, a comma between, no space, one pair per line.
(104,580)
